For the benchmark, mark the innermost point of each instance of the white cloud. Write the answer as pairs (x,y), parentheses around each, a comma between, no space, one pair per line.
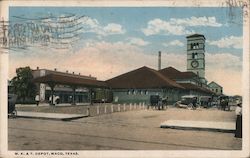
(178,26)
(113,28)
(137,41)
(196,21)
(223,61)
(228,42)
(226,70)
(174,43)
(158,26)
(92,25)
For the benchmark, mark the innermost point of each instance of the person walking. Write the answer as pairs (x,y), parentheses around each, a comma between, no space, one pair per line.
(194,103)
(238,112)
(37,99)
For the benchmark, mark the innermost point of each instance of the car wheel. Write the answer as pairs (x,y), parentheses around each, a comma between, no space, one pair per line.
(190,106)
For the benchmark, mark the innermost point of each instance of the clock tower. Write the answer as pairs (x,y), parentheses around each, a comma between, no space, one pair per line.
(196,55)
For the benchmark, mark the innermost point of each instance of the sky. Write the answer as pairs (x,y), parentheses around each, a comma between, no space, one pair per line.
(114,40)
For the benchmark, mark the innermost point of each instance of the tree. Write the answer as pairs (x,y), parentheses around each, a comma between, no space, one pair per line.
(23,85)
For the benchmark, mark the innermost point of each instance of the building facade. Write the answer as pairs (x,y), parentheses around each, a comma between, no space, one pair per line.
(64,92)
(216,88)
(138,85)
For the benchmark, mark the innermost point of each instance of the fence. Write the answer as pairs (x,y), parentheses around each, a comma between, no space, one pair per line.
(100,109)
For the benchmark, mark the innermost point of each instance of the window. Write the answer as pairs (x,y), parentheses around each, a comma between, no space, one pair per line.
(128,92)
(134,92)
(194,45)
(216,90)
(146,92)
(194,55)
(197,46)
(141,92)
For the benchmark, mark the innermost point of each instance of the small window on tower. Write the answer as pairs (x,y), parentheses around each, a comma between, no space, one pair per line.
(192,46)
(197,45)
(194,55)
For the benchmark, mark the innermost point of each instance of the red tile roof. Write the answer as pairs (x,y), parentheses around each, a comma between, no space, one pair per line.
(175,74)
(70,80)
(214,84)
(143,77)
(190,86)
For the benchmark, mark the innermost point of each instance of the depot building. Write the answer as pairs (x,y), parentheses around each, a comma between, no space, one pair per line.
(135,86)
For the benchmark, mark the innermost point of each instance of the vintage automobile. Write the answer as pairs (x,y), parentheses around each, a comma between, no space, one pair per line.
(224,103)
(205,101)
(158,102)
(12,105)
(188,102)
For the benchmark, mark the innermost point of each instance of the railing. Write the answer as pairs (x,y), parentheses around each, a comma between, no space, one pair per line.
(101,109)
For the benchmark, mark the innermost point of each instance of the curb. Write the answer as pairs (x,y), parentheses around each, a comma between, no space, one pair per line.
(57,119)
(199,129)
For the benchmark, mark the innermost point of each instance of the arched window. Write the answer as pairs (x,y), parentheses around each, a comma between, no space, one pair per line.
(194,55)
(128,92)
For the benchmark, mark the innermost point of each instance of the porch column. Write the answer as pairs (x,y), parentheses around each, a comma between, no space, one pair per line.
(90,98)
(52,86)
(74,94)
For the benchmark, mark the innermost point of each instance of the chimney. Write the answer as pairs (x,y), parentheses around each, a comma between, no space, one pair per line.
(79,73)
(37,68)
(67,71)
(73,72)
(55,69)
(159,60)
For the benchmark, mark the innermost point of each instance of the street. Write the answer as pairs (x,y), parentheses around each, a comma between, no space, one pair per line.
(130,130)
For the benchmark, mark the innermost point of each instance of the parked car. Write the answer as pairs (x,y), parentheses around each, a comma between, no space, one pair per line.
(205,101)
(188,101)
(158,102)
(154,99)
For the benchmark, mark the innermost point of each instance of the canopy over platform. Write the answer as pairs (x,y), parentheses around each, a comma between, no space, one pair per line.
(70,80)
(73,81)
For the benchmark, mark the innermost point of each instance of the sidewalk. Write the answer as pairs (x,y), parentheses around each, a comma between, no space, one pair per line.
(227,127)
(53,116)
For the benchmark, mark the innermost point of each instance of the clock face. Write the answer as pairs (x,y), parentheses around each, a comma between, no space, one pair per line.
(194,64)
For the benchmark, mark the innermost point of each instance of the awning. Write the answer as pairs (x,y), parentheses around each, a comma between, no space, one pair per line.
(70,80)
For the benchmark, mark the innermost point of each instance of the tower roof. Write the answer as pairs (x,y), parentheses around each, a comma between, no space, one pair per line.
(196,35)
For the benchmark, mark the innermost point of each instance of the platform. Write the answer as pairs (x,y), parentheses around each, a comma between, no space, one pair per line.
(227,127)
